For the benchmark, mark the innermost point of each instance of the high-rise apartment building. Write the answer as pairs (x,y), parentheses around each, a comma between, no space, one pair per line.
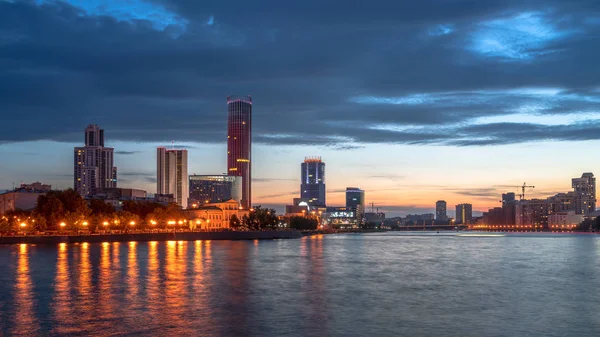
(508,198)
(93,164)
(206,189)
(239,144)
(440,210)
(312,187)
(355,201)
(585,193)
(172,174)
(464,213)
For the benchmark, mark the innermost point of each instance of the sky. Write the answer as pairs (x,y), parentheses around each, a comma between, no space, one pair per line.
(412,101)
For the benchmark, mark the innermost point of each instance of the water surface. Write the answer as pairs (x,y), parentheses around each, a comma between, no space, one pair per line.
(335,285)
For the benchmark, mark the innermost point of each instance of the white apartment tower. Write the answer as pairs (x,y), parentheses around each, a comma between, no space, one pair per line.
(585,193)
(94,164)
(172,174)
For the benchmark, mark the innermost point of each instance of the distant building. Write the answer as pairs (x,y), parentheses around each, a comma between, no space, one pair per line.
(296,210)
(214,188)
(93,164)
(19,199)
(341,218)
(374,217)
(239,144)
(164,198)
(428,217)
(36,187)
(312,187)
(562,221)
(440,211)
(464,213)
(533,214)
(585,193)
(172,174)
(125,194)
(355,201)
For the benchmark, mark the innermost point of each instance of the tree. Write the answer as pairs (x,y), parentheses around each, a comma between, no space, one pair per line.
(261,218)
(234,222)
(62,206)
(303,223)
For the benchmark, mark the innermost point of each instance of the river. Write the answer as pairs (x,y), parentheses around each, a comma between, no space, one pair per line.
(388,284)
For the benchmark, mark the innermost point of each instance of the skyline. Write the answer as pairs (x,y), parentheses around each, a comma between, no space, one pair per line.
(451,102)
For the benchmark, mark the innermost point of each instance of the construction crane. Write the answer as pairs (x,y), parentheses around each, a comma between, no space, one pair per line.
(522,195)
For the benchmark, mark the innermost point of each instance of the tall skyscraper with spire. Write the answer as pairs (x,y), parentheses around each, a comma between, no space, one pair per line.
(93,164)
(239,144)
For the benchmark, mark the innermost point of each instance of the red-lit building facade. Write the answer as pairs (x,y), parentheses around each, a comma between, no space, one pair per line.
(239,144)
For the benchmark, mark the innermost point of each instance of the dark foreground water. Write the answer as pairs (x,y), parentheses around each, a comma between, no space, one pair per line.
(337,285)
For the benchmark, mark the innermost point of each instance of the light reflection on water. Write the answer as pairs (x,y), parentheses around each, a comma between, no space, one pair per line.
(347,285)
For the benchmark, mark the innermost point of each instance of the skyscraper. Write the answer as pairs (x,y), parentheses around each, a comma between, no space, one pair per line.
(464,213)
(215,188)
(239,144)
(93,164)
(440,210)
(312,187)
(585,193)
(172,174)
(355,200)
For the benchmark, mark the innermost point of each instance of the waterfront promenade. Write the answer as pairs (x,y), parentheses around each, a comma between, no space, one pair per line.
(158,236)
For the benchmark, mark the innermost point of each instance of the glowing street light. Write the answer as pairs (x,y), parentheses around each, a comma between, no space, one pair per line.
(85,223)
(62,224)
(152,222)
(105,223)
(180,222)
(132,223)
(23,224)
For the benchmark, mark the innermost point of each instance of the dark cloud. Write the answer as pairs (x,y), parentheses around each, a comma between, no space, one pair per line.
(333,74)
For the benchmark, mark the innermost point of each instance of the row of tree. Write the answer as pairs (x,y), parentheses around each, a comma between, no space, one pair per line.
(67,210)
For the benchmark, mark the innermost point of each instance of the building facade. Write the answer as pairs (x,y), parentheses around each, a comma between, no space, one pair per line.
(172,174)
(464,213)
(94,168)
(585,193)
(312,187)
(440,211)
(216,216)
(214,188)
(355,201)
(564,221)
(20,199)
(239,144)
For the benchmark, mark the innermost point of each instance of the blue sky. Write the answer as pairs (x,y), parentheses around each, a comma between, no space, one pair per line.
(413,101)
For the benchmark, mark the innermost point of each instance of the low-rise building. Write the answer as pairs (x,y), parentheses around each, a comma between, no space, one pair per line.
(562,221)
(215,216)
(21,198)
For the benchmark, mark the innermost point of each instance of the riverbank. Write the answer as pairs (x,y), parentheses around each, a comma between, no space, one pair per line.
(177,236)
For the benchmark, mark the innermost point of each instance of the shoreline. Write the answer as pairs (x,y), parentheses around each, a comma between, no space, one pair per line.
(145,237)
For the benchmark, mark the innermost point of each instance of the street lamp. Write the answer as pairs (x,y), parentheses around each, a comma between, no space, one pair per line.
(152,222)
(23,224)
(132,223)
(105,223)
(85,223)
(62,224)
